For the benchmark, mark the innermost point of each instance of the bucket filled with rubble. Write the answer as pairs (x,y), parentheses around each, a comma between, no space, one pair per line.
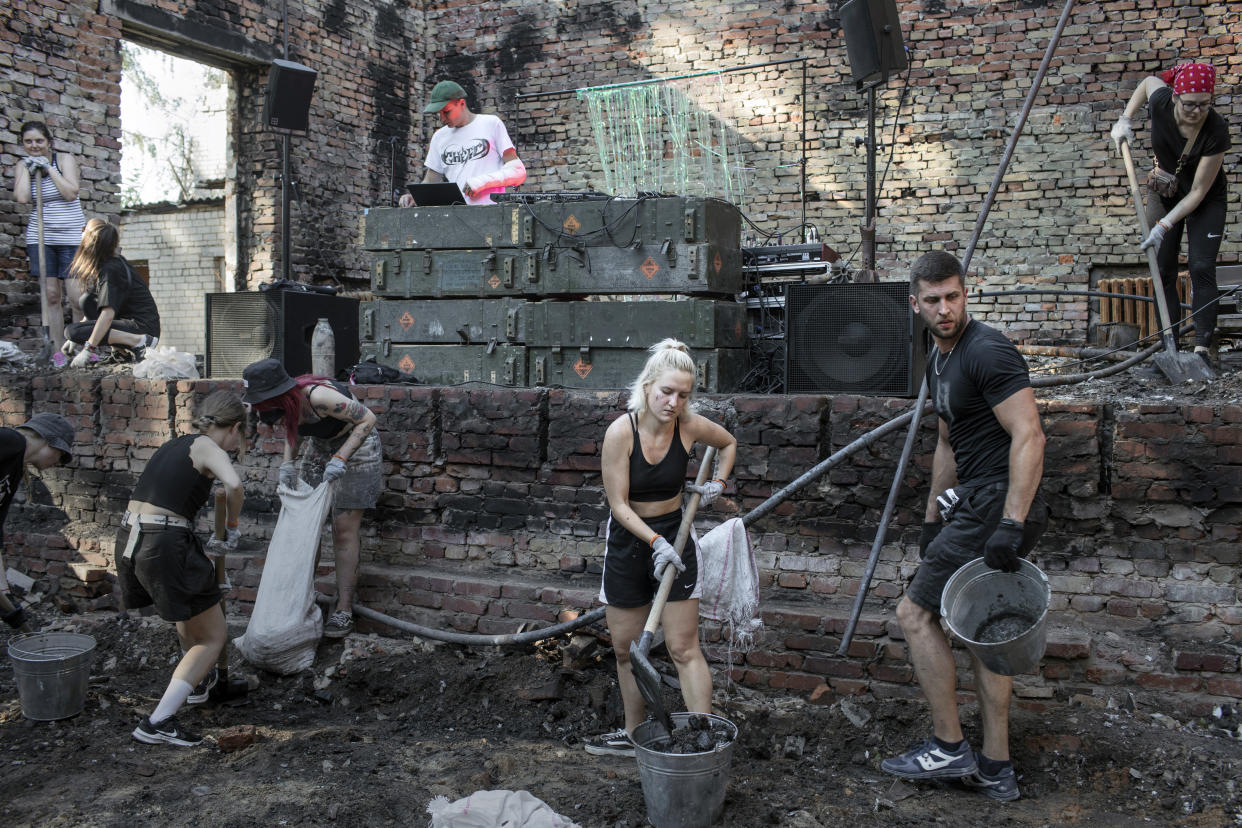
(52,670)
(684,774)
(999,616)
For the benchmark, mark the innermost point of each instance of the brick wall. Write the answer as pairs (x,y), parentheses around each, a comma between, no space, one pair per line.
(1062,218)
(492,515)
(184,251)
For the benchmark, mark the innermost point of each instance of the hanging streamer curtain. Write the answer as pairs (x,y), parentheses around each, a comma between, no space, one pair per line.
(662,138)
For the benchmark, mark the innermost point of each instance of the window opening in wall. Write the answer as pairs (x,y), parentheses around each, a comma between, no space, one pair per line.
(174,128)
(142,268)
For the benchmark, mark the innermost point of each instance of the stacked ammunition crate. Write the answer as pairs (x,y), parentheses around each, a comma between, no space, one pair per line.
(561,292)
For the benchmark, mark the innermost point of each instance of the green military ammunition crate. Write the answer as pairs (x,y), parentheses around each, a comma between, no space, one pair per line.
(719,369)
(700,323)
(453,364)
(442,321)
(620,222)
(677,268)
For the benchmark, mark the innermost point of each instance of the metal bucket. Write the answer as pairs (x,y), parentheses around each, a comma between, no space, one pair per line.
(682,790)
(999,616)
(52,670)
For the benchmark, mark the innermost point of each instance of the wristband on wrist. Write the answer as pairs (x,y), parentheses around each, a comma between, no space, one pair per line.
(651,542)
(1017,524)
(338,457)
(719,480)
(90,347)
(1167,227)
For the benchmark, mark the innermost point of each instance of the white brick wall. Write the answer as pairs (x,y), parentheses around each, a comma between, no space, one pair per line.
(184,252)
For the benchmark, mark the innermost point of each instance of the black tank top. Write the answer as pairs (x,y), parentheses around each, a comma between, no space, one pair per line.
(326,428)
(665,479)
(170,480)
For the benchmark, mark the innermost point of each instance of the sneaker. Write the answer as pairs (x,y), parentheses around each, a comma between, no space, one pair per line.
(167,732)
(140,350)
(203,690)
(1003,786)
(339,625)
(616,743)
(930,761)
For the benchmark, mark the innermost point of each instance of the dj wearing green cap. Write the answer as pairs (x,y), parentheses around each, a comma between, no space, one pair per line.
(471,150)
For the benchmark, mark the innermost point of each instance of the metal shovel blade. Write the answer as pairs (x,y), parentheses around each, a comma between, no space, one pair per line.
(648,681)
(1180,366)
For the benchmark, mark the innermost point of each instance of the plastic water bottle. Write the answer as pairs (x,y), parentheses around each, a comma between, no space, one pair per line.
(323,349)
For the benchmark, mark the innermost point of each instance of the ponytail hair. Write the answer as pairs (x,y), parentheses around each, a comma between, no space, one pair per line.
(219,408)
(666,355)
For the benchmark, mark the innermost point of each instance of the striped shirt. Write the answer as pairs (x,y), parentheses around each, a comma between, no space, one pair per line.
(63,219)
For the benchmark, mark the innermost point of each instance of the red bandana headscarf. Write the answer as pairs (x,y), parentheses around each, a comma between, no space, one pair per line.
(1191,78)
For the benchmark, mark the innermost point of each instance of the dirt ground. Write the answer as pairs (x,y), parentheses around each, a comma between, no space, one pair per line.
(378,726)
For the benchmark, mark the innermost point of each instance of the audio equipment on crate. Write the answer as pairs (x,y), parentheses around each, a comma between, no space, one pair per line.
(873,39)
(289,89)
(245,327)
(859,338)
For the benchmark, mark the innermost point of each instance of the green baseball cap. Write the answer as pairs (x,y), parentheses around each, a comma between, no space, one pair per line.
(442,93)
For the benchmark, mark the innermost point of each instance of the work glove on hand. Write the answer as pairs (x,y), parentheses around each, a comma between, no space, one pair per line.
(929,533)
(663,555)
(18,616)
(1155,236)
(708,492)
(69,348)
(334,469)
(82,359)
(37,162)
(1122,130)
(1001,550)
(288,475)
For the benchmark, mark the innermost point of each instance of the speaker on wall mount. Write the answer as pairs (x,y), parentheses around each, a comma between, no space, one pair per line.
(245,327)
(289,89)
(859,338)
(873,39)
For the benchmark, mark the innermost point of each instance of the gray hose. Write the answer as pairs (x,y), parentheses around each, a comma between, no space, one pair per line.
(478,639)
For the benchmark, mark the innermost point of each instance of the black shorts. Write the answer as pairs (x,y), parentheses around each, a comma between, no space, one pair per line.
(629,579)
(168,569)
(962,539)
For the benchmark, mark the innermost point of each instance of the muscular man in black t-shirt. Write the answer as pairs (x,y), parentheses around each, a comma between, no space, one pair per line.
(991,453)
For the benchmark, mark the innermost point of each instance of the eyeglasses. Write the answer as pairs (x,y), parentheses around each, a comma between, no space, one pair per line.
(1194,107)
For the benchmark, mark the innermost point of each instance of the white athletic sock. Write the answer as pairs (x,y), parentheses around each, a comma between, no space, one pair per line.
(176,694)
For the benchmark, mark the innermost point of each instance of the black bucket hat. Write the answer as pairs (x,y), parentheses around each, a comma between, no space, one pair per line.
(55,430)
(265,379)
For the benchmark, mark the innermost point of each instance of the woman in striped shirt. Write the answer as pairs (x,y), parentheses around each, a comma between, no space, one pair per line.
(62,219)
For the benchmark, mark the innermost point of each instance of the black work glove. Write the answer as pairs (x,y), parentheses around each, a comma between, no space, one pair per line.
(929,533)
(17,617)
(1001,550)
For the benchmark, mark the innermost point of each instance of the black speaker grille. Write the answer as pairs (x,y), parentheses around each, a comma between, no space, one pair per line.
(241,328)
(853,339)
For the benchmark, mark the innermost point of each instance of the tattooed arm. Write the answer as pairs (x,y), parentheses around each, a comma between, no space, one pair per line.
(328,402)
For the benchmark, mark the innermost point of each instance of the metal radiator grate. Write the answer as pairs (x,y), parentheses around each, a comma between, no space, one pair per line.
(1119,311)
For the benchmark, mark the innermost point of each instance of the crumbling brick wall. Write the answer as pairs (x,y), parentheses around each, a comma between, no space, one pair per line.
(493,511)
(1062,218)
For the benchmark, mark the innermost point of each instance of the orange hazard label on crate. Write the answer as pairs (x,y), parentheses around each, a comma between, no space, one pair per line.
(494,281)
(582,368)
(571,224)
(649,267)
(406,321)
(406,364)
(737,330)
(717,262)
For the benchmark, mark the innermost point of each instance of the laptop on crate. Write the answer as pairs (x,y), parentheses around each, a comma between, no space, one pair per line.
(439,194)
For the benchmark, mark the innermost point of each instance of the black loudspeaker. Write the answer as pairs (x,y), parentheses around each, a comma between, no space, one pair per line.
(245,327)
(289,88)
(853,339)
(873,38)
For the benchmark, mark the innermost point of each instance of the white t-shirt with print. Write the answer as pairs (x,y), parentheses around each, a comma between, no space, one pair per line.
(460,153)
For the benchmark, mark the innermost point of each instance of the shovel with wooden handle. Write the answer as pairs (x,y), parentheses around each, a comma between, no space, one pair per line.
(645,675)
(224,689)
(45,307)
(1178,367)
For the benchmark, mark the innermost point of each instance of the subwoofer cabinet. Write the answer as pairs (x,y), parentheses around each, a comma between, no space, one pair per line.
(248,326)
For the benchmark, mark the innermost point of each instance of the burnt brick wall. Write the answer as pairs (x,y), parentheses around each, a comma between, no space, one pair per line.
(1062,218)
(493,512)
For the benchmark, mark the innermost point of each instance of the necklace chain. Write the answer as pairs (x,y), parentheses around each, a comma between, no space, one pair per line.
(936,362)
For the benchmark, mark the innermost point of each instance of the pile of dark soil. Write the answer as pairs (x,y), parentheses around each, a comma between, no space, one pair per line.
(379,726)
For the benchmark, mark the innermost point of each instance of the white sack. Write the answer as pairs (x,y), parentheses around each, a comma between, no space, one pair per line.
(495,809)
(166,363)
(729,582)
(286,624)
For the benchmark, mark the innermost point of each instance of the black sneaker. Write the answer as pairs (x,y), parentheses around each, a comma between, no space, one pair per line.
(140,350)
(167,732)
(616,743)
(339,625)
(1002,786)
(203,690)
(930,761)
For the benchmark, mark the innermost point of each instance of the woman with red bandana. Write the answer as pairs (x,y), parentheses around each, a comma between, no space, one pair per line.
(1180,101)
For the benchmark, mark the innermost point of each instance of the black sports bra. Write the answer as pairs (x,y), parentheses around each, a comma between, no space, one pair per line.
(665,479)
